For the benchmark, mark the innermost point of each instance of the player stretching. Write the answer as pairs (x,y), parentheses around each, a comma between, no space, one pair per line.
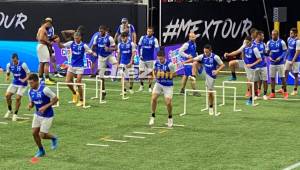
(43,52)
(78,49)
(188,51)
(18,86)
(293,60)
(262,70)
(105,45)
(43,99)
(126,53)
(163,73)
(252,58)
(148,46)
(213,65)
(277,49)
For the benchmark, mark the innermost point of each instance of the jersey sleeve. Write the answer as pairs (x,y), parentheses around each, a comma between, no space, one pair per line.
(25,67)
(118,48)
(198,58)
(256,52)
(49,93)
(141,40)
(182,49)
(283,44)
(68,44)
(298,45)
(7,68)
(112,41)
(242,47)
(87,48)
(218,60)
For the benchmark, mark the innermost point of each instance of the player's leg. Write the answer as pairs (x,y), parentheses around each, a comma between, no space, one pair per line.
(168,102)
(157,89)
(272,75)
(233,64)
(93,66)
(251,78)
(9,92)
(69,79)
(36,124)
(149,67)
(102,69)
(264,79)
(46,124)
(281,74)
(79,73)
(141,74)
(187,72)
(296,66)
(210,83)
(41,70)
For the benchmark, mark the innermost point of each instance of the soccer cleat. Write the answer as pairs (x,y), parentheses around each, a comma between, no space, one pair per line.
(272,95)
(211,111)
(92,76)
(49,82)
(58,75)
(170,122)
(103,95)
(193,78)
(141,89)
(54,143)
(258,92)
(131,91)
(249,102)
(285,95)
(40,153)
(280,91)
(79,104)
(294,93)
(75,98)
(232,78)
(151,121)
(15,117)
(150,90)
(197,94)
(181,91)
(248,94)
(7,114)
(265,97)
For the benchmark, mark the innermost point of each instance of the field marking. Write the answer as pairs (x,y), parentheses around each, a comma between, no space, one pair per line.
(292,166)
(92,144)
(136,137)
(23,118)
(112,140)
(31,115)
(3,123)
(176,125)
(160,127)
(163,131)
(105,137)
(24,121)
(144,133)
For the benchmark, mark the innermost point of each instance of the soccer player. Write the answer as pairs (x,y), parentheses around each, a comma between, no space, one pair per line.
(43,99)
(76,67)
(104,45)
(262,70)
(18,86)
(252,58)
(213,65)
(43,52)
(163,72)
(122,28)
(148,46)
(188,51)
(126,53)
(277,49)
(293,60)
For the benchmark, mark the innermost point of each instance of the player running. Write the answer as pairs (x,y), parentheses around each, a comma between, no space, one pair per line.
(126,53)
(125,26)
(43,99)
(213,65)
(18,86)
(188,51)
(163,72)
(262,70)
(147,47)
(293,60)
(277,49)
(76,67)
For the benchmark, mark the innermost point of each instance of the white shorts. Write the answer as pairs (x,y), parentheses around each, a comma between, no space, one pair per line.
(146,66)
(277,68)
(166,90)
(76,70)
(43,53)
(127,72)
(44,123)
(289,67)
(102,61)
(252,74)
(15,89)
(262,73)
(209,82)
(240,63)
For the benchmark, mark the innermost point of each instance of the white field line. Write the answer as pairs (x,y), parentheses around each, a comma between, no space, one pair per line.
(91,144)
(136,137)
(292,166)
(144,133)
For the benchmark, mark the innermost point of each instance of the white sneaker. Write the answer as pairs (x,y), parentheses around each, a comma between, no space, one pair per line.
(265,97)
(192,78)
(7,114)
(211,111)
(141,89)
(151,122)
(150,90)
(58,75)
(15,117)
(131,91)
(170,122)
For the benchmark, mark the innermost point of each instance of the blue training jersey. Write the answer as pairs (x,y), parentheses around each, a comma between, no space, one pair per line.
(78,54)
(261,48)
(210,63)
(18,73)
(292,45)
(249,55)
(164,73)
(40,98)
(101,42)
(147,47)
(277,49)
(125,50)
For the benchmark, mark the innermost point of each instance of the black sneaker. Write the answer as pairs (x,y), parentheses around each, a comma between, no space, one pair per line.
(181,91)
(103,95)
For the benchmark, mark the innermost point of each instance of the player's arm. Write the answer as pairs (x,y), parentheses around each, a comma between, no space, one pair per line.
(26,69)
(112,46)
(190,60)
(133,53)
(156,45)
(134,37)
(118,32)
(297,51)
(30,104)
(258,58)
(118,53)
(94,44)
(89,51)
(220,63)
(64,45)
(67,34)
(139,46)
(7,77)
(236,52)
(172,69)
(182,49)
(53,99)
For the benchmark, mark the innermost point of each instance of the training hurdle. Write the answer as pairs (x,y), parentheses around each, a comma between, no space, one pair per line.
(115,77)
(234,97)
(97,94)
(241,82)
(206,107)
(76,84)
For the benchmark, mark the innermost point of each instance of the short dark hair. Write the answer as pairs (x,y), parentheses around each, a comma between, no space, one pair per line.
(14,55)
(124,34)
(207,46)
(252,30)
(260,32)
(294,30)
(151,28)
(248,38)
(102,27)
(33,77)
(161,52)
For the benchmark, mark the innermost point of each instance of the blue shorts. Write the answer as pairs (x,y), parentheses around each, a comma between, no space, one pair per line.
(187,70)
